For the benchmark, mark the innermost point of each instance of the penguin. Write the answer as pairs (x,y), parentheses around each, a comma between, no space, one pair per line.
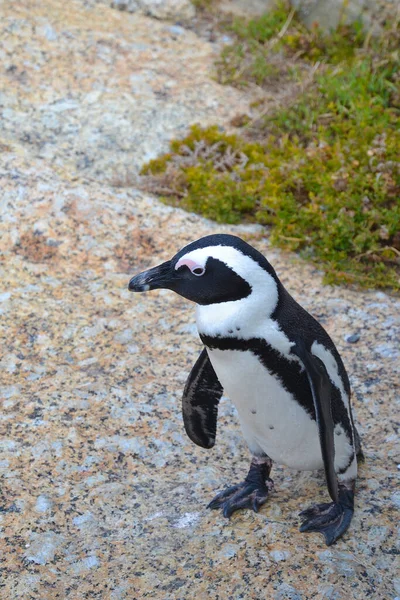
(279,367)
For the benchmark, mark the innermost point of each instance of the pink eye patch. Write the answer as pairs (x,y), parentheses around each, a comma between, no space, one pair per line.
(194,267)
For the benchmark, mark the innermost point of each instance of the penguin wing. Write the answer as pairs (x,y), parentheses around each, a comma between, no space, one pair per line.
(200,402)
(320,385)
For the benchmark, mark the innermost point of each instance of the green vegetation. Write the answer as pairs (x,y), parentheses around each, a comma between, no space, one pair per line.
(277,44)
(323,172)
(203,5)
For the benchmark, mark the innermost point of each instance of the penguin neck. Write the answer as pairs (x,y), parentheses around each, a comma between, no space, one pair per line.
(240,318)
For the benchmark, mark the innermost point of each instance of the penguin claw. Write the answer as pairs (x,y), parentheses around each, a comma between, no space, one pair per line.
(243,495)
(223,496)
(256,504)
(332,520)
(315,511)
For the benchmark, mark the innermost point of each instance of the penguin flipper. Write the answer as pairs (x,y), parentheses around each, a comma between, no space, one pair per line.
(320,385)
(200,402)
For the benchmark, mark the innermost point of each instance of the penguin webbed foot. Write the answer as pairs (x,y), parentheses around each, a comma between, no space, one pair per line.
(252,493)
(243,495)
(331,519)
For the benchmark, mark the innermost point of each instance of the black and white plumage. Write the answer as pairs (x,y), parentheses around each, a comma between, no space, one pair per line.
(279,367)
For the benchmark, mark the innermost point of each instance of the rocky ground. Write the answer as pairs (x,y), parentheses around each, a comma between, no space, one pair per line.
(103,495)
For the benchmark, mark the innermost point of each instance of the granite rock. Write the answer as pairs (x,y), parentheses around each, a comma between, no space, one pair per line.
(329,13)
(246,8)
(125,85)
(174,10)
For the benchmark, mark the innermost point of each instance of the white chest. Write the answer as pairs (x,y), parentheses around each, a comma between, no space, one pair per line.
(271,418)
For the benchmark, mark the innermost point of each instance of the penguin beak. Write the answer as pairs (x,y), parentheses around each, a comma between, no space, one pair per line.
(153,279)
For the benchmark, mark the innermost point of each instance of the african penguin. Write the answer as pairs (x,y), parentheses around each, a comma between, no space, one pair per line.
(279,367)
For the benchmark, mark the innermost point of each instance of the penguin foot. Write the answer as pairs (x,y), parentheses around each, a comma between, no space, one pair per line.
(331,519)
(252,493)
(243,495)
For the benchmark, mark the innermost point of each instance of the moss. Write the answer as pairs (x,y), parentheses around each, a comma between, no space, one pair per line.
(263,28)
(203,4)
(213,173)
(323,173)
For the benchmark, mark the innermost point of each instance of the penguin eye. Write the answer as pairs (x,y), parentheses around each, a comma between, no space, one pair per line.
(192,265)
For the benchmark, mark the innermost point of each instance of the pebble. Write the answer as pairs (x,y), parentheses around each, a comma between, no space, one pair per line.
(352,339)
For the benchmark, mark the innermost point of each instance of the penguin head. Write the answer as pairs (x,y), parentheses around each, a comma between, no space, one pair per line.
(214,269)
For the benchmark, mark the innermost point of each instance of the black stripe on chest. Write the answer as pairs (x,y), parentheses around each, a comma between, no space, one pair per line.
(289,372)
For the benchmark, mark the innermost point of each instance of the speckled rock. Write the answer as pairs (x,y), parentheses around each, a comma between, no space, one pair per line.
(160,9)
(246,8)
(125,85)
(102,494)
(329,13)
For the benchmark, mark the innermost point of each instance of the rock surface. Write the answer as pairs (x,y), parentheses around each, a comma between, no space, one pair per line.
(329,13)
(123,86)
(103,495)
(159,9)
(246,8)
